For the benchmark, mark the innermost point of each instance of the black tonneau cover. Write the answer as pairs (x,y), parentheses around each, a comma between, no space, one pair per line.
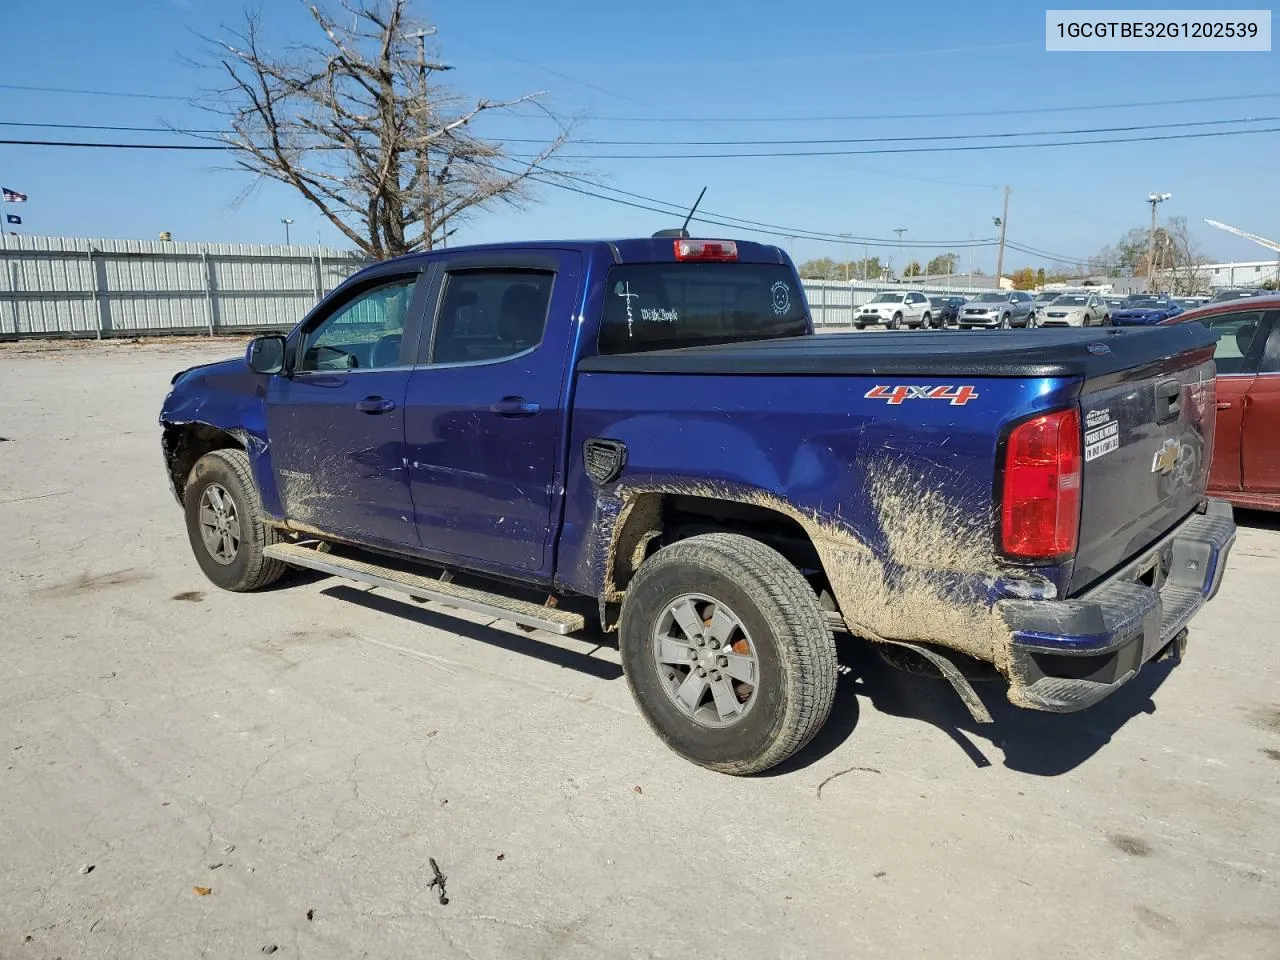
(1044,352)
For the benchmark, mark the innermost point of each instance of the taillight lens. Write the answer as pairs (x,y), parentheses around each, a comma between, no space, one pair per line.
(1040,513)
(706,250)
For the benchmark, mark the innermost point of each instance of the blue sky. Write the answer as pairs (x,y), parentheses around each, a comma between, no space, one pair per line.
(663,62)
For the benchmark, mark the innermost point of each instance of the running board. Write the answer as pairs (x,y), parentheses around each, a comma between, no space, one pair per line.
(426,588)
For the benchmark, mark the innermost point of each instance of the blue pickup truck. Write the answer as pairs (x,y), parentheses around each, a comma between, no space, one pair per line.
(648,434)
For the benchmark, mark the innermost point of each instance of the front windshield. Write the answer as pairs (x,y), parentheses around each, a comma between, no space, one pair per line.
(1071,301)
(1146,302)
(887,298)
(989,298)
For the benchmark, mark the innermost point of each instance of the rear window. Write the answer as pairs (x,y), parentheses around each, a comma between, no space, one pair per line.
(658,306)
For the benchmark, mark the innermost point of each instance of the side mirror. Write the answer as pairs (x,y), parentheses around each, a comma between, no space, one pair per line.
(266,354)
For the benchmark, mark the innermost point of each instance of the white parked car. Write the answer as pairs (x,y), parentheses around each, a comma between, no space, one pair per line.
(1076,310)
(893,310)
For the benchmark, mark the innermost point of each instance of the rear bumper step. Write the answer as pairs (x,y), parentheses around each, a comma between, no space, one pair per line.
(1067,655)
(426,588)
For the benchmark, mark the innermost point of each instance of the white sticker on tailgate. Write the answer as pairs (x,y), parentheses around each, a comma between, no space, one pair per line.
(1101,440)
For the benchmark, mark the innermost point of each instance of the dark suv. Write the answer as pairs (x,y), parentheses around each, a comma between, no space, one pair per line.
(946,310)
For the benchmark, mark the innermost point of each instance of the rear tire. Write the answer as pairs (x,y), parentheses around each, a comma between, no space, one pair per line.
(727,589)
(224,523)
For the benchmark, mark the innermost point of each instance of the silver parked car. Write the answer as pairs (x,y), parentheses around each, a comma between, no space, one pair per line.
(1010,308)
(1076,310)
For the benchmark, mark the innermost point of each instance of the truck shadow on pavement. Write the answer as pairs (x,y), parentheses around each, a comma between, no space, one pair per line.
(1042,744)
(527,644)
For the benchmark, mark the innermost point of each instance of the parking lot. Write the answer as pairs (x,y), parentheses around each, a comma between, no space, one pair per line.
(193,773)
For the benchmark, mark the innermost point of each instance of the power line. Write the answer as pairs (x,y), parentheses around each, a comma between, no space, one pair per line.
(114,146)
(914,139)
(100,126)
(723,220)
(902,150)
(94,93)
(786,231)
(950,113)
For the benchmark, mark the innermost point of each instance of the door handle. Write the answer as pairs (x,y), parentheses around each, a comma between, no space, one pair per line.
(375,405)
(515,407)
(1224,404)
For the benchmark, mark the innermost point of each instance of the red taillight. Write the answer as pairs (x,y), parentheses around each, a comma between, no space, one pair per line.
(1040,514)
(706,250)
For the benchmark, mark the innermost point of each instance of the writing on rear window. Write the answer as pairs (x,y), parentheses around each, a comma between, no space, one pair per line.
(659,306)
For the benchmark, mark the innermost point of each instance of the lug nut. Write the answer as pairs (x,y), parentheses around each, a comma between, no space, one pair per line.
(693,654)
(723,662)
(702,641)
(715,675)
(701,672)
(715,644)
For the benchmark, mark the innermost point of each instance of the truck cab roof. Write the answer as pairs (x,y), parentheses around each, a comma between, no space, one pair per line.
(622,250)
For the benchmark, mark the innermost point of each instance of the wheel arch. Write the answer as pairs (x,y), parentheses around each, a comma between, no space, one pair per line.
(185,442)
(656,517)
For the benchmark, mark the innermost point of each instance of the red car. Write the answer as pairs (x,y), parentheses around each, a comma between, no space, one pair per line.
(1246,451)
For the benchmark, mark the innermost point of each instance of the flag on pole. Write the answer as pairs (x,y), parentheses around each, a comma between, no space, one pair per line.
(12,218)
(13,196)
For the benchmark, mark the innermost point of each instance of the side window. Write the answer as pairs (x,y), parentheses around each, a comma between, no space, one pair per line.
(490,314)
(1240,340)
(363,334)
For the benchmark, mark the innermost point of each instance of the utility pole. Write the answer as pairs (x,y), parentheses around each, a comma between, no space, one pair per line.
(424,158)
(1154,199)
(846,257)
(1002,222)
(901,256)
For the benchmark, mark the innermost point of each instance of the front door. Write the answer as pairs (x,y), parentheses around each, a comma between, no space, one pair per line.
(336,419)
(1260,435)
(1240,340)
(484,420)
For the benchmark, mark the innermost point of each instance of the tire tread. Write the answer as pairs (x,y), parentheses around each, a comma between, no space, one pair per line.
(806,645)
(260,571)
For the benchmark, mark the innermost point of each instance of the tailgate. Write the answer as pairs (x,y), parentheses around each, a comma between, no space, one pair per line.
(1148,440)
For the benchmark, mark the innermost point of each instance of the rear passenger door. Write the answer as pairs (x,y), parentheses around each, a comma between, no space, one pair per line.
(1260,431)
(1241,338)
(485,407)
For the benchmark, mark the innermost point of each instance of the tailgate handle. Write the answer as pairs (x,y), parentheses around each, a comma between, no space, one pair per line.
(1168,400)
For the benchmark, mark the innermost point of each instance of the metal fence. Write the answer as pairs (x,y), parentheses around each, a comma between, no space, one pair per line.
(65,286)
(832,302)
(60,286)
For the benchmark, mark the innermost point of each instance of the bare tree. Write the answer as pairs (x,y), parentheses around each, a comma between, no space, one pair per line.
(358,124)
(1184,263)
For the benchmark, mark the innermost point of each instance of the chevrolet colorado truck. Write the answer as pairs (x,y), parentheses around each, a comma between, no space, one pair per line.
(648,433)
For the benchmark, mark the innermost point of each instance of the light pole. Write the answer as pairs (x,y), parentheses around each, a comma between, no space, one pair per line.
(901,256)
(1154,199)
(286,221)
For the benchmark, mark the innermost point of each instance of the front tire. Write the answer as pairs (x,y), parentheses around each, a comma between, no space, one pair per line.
(926,321)
(1004,322)
(896,322)
(224,523)
(739,612)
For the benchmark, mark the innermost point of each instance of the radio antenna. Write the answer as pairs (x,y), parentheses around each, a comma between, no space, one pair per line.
(685,226)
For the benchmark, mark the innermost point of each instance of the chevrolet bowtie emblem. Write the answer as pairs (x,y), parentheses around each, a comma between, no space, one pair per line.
(1166,458)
